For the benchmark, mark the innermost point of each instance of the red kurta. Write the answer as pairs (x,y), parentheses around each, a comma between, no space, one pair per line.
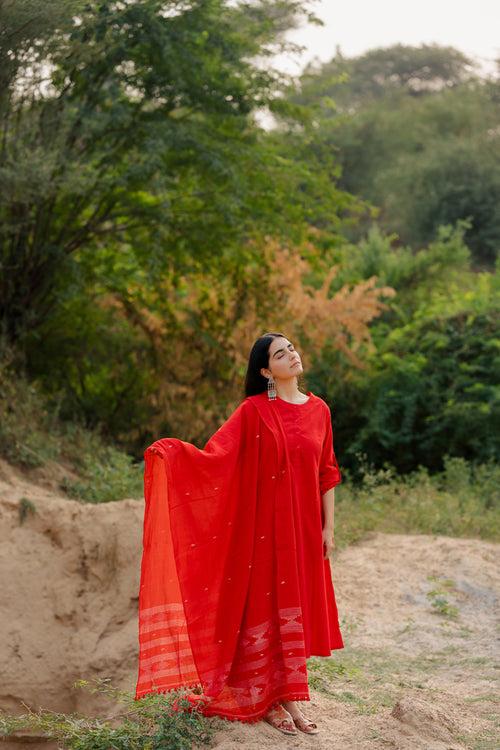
(315,470)
(235,593)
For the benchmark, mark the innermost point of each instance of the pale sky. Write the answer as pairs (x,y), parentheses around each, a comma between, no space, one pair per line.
(360,25)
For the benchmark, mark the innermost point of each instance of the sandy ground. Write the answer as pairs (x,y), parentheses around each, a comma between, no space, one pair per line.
(420,617)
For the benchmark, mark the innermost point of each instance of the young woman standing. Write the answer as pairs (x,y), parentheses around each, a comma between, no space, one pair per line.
(236,590)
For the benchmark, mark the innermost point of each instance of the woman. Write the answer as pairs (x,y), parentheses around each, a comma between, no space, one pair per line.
(236,590)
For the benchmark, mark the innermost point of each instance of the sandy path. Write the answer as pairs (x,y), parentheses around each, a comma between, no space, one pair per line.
(412,675)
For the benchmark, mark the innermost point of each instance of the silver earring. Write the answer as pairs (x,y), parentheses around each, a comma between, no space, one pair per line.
(271,389)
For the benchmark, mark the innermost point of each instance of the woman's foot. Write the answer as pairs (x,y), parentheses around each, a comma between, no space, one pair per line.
(300,721)
(279,718)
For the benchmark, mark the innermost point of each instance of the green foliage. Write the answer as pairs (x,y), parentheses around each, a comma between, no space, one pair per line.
(430,385)
(462,500)
(32,436)
(383,72)
(25,506)
(438,597)
(452,179)
(434,390)
(416,276)
(148,724)
(26,28)
(94,359)
(132,162)
(415,132)
(112,475)
(27,439)
(138,130)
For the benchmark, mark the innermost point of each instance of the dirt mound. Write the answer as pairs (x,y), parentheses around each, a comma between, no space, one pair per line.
(419,616)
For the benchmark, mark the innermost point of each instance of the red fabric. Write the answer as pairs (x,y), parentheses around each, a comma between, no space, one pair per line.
(235,593)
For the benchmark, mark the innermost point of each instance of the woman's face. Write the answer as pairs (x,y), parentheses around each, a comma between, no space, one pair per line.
(284,360)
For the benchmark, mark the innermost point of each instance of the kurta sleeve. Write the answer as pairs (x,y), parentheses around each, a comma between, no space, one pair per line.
(329,472)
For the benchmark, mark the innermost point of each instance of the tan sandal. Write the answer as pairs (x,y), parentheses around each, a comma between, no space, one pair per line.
(279,718)
(305,725)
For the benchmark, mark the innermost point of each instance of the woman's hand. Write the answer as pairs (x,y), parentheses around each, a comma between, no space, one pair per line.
(328,541)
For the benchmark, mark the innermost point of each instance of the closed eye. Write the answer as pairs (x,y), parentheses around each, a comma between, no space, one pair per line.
(290,348)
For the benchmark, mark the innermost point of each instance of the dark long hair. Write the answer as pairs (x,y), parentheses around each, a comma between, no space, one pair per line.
(255,382)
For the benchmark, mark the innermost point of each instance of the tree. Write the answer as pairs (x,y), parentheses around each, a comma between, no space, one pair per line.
(134,122)
(414,131)
(381,73)
(430,385)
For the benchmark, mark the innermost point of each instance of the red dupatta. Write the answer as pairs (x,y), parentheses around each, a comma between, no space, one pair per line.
(219,601)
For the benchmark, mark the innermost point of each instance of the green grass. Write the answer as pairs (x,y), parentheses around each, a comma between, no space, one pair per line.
(32,436)
(461,501)
(370,679)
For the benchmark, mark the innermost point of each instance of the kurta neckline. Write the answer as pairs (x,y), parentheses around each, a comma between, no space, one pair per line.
(290,403)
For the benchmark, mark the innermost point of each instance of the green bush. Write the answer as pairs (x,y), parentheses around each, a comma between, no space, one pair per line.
(460,501)
(33,435)
(147,724)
